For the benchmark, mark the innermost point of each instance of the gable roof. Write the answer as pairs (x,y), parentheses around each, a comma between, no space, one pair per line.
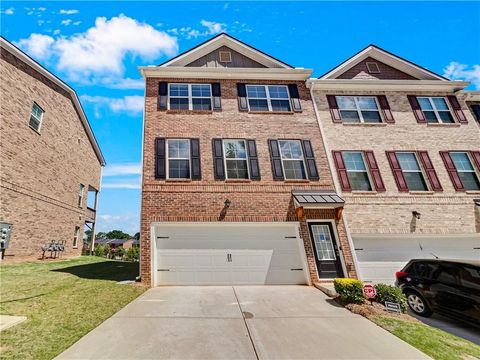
(223,39)
(387,58)
(15,51)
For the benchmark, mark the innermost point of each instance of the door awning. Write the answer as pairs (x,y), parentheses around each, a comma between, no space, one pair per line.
(317,199)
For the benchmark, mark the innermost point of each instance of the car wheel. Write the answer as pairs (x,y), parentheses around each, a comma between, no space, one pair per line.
(418,304)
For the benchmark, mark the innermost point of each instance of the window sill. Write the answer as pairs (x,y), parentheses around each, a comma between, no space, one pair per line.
(190,112)
(360,192)
(444,124)
(178,180)
(364,124)
(428,192)
(34,130)
(472,192)
(272,112)
(240,181)
(296,181)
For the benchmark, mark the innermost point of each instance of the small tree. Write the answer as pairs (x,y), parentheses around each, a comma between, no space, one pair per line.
(132,254)
(106,250)
(99,250)
(120,252)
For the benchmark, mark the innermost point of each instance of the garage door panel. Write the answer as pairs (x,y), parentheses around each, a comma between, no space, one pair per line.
(260,254)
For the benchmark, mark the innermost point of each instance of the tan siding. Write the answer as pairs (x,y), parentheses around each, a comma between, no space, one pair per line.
(360,72)
(238,60)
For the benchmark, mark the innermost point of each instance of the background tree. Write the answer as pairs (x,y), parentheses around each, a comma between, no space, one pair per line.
(136,236)
(117,234)
(100,235)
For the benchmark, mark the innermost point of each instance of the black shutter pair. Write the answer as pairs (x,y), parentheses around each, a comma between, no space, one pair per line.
(309,157)
(292,89)
(160,159)
(219,166)
(163,96)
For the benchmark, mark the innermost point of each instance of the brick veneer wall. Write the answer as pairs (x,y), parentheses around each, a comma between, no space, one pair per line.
(390,212)
(257,201)
(41,172)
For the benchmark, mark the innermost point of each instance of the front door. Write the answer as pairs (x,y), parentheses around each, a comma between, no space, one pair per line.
(326,251)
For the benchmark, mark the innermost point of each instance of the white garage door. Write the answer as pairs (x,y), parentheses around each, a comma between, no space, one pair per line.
(379,257)
(228,253)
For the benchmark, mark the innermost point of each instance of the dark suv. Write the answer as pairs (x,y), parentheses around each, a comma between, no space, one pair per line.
(451,287)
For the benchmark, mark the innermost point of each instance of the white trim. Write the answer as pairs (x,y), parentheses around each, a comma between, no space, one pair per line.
(224,40)
(37,67)
(373,67)
(417,86)
(228,54)
(76,235)
(190,96)
(366,171)
(226,73)
(40,121)
(167,157)
(435,110)
(386,58)
(81,193)
(359,110)
(420,166)
(301,159)
(225,159)
(472,164)
(268,98)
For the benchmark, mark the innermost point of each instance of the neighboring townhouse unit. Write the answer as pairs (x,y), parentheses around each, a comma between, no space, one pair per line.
(406,150)
(236,184)
(50,162)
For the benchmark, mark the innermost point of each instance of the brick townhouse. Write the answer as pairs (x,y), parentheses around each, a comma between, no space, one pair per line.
(404,144)
(236,186)
(50,162)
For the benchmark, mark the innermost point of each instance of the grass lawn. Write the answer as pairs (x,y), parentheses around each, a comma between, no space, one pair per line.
(62,301)
(434,342)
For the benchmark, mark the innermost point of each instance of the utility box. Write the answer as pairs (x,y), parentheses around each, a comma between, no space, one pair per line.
(5,235)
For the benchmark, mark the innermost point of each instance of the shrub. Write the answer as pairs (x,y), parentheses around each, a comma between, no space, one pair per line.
(392,294)
(99,250)
(132,254)
(350,290)
(120,251)
(106,250)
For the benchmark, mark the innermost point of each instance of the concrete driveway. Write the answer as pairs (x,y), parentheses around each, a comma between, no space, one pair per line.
(239,322)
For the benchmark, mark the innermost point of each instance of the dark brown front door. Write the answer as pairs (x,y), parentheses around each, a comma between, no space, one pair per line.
(325,249)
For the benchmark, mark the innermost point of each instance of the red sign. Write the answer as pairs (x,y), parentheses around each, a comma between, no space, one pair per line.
(369,291)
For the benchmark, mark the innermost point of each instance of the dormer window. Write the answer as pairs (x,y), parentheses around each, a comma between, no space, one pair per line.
(373,68)
(225,56)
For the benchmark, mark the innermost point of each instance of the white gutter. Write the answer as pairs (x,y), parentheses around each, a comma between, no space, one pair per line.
(389,85)
(226,73)
(338,188)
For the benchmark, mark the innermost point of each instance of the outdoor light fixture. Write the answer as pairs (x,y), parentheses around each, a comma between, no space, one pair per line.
(477,202)
(227,203)
(416,214)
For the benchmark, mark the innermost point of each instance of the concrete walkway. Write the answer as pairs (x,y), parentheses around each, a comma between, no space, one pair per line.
(240,322)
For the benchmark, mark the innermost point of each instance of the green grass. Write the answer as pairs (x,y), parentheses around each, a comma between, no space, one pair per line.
(62,301)
(434,342)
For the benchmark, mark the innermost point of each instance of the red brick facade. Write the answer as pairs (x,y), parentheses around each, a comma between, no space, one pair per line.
(252,201)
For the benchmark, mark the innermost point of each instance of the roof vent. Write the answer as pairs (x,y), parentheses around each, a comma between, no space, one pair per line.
(225,56)
(373,68)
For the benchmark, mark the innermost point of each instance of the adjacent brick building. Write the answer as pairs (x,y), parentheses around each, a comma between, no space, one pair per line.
(50,162)
(406,151)
(236,186)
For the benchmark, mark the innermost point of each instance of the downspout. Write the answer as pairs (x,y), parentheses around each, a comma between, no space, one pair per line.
(338,188)
(92,248)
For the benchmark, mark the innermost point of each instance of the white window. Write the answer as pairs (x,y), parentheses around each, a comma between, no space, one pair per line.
(412,172)
(178,158)
(76,234)
(268,98)
(80,195)
(465,170)
(354,109)
(292,159)
(356,170)
(236,162)
(435,109)
(190,96)
(36,117)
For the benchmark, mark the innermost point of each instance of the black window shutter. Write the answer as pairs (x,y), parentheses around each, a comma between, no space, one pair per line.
(219,169)
(294,97)
(195,159)
(160,158)
(242,97)
(217,96)
(253,160)
(162,95)
(277,169)
(310,160)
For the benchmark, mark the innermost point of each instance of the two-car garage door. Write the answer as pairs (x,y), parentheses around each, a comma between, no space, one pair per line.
(228,253)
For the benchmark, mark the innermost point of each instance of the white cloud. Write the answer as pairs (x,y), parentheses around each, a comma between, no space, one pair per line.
(56,32)
(101,50)
(213,27)
(127,83)
(123,169)
(457,71)
(37,45)
(66,22)
(69,12)
(76,23)
(128,223)
(132,103)
(9,11)
(132,185)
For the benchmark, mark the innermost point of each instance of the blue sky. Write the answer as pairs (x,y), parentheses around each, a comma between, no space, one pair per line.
(97,46)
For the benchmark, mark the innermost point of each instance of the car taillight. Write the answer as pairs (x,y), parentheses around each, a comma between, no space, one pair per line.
(400,274)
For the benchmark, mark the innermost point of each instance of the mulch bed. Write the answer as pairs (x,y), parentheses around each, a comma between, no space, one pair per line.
(368,310)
